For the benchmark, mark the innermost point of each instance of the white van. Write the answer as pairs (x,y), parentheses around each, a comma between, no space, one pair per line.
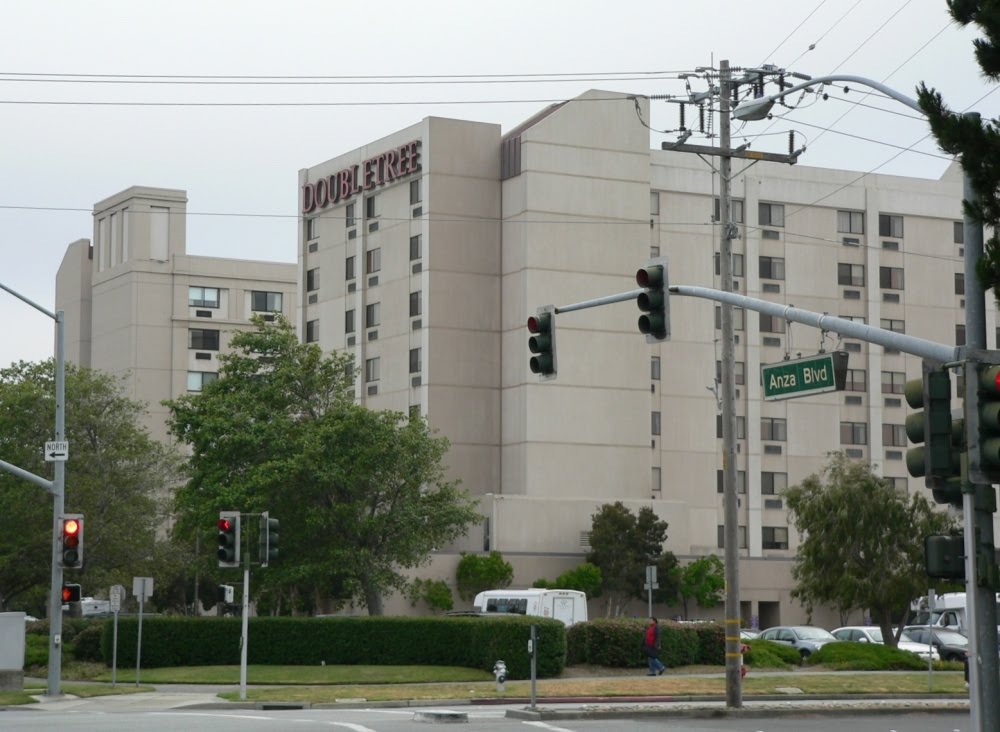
(949,612)
(569,606)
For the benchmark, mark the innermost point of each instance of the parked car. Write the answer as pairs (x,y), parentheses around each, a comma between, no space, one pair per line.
(873,634)
(950,644)
(749,634)
(806,639)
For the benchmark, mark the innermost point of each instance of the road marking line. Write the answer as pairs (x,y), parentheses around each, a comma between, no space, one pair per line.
(544,725)
(352,726)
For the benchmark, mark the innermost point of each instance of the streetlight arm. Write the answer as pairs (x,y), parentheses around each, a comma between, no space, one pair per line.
(753,109)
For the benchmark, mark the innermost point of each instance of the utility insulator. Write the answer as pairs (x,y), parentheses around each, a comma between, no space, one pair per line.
(683,128)
(701,118)
(791,142)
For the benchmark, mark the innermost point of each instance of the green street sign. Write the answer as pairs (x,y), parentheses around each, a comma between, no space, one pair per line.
(804,376)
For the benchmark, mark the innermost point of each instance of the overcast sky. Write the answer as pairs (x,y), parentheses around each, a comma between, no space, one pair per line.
(239,160)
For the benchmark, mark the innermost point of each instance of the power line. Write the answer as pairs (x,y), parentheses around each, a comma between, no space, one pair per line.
(430,102)
(815,43)
(325,82)
(792,33)
(337,77)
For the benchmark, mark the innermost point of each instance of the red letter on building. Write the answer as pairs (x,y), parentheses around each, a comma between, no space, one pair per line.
(308,198)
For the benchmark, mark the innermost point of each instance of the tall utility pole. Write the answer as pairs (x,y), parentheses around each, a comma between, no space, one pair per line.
(734,683)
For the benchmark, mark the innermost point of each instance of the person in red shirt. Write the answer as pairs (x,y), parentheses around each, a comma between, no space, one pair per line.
(651,648)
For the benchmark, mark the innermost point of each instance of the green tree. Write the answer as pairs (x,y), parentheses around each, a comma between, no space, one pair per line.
(621,545)
(435,593)
(976,141)
(701,580)
(476,574)
(117,476)
(361,494)
(862,541)
(584,577)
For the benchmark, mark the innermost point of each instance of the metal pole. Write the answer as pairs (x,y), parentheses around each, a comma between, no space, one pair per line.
(734,691)
(534,654)
(138,638)
(984,674)
(58,503)
(243,636)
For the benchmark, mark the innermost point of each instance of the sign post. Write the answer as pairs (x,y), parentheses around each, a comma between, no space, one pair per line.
(117,594)
(804,376)
(142,587)
(651,584)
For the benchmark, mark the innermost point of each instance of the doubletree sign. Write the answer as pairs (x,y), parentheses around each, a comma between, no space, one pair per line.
(804,376)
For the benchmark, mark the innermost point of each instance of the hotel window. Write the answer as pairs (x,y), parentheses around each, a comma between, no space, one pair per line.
(770,214)
(890,278)
(348,321)
(852,275)
(372,369)
(738,315)
(416,248)
(771,324)
(200,339)
(851,222)
(774,429)
(312,280)
(894,435)
(959,335)
(312,331)
(735,210)
(890,226)
(772,268)
(900,484)
(414,360)
(265,302)
(856,380)
(203,297)
(741,427)
(739,372)
(654,203)
(656,480)
(853,433)
(654,368)
(737,265)
(959,283)
(896,326)
(774,537)
(312,227)
(373,260)
(741,537)
(349,268)
(654,427)
(370,210)
(415,191)
(349,215)
(892,382)
(741,481)
(373,312)
(197,380)
(415,304)
(772,484)
(958,233)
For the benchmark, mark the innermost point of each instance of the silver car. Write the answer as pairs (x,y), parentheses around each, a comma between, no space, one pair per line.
(807,639)
(873,634)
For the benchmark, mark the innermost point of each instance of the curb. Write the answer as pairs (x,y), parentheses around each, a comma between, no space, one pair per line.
(705,713)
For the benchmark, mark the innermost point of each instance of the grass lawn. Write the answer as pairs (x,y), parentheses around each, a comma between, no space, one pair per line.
(301,675)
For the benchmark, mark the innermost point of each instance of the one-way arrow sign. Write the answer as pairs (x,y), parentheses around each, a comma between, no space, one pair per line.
(56,451)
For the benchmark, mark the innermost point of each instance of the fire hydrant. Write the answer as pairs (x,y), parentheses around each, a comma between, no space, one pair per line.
(500,672)
(744,649)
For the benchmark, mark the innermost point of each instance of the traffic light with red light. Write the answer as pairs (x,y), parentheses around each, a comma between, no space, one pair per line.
(71,541)
(229,538)
(542,343)
(71,593)
(654,323)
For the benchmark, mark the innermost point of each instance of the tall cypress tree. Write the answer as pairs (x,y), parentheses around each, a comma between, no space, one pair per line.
(976,141)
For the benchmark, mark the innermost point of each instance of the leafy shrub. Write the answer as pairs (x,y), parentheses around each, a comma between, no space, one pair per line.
(36,650)
(475,574)
(617,643)
(767,654)
(435,593)
(87,644)
(866,657)
(475,642)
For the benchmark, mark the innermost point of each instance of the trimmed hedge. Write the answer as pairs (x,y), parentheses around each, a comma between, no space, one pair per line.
(617,642)
(475,642)
(768,654)
(866,657)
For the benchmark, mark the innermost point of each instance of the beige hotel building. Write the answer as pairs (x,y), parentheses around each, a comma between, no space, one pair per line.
(423,254)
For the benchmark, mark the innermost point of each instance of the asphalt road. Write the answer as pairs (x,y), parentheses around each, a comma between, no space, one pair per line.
(480,719)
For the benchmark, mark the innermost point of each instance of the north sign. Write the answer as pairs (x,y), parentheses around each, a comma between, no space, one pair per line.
(804,376)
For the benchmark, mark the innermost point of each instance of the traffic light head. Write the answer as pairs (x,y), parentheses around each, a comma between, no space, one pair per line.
(939,438)
(944,557)
(71,541)
(989,425)
(654,323)
(229,538)
(268,541)
(71,593)
(542,343)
